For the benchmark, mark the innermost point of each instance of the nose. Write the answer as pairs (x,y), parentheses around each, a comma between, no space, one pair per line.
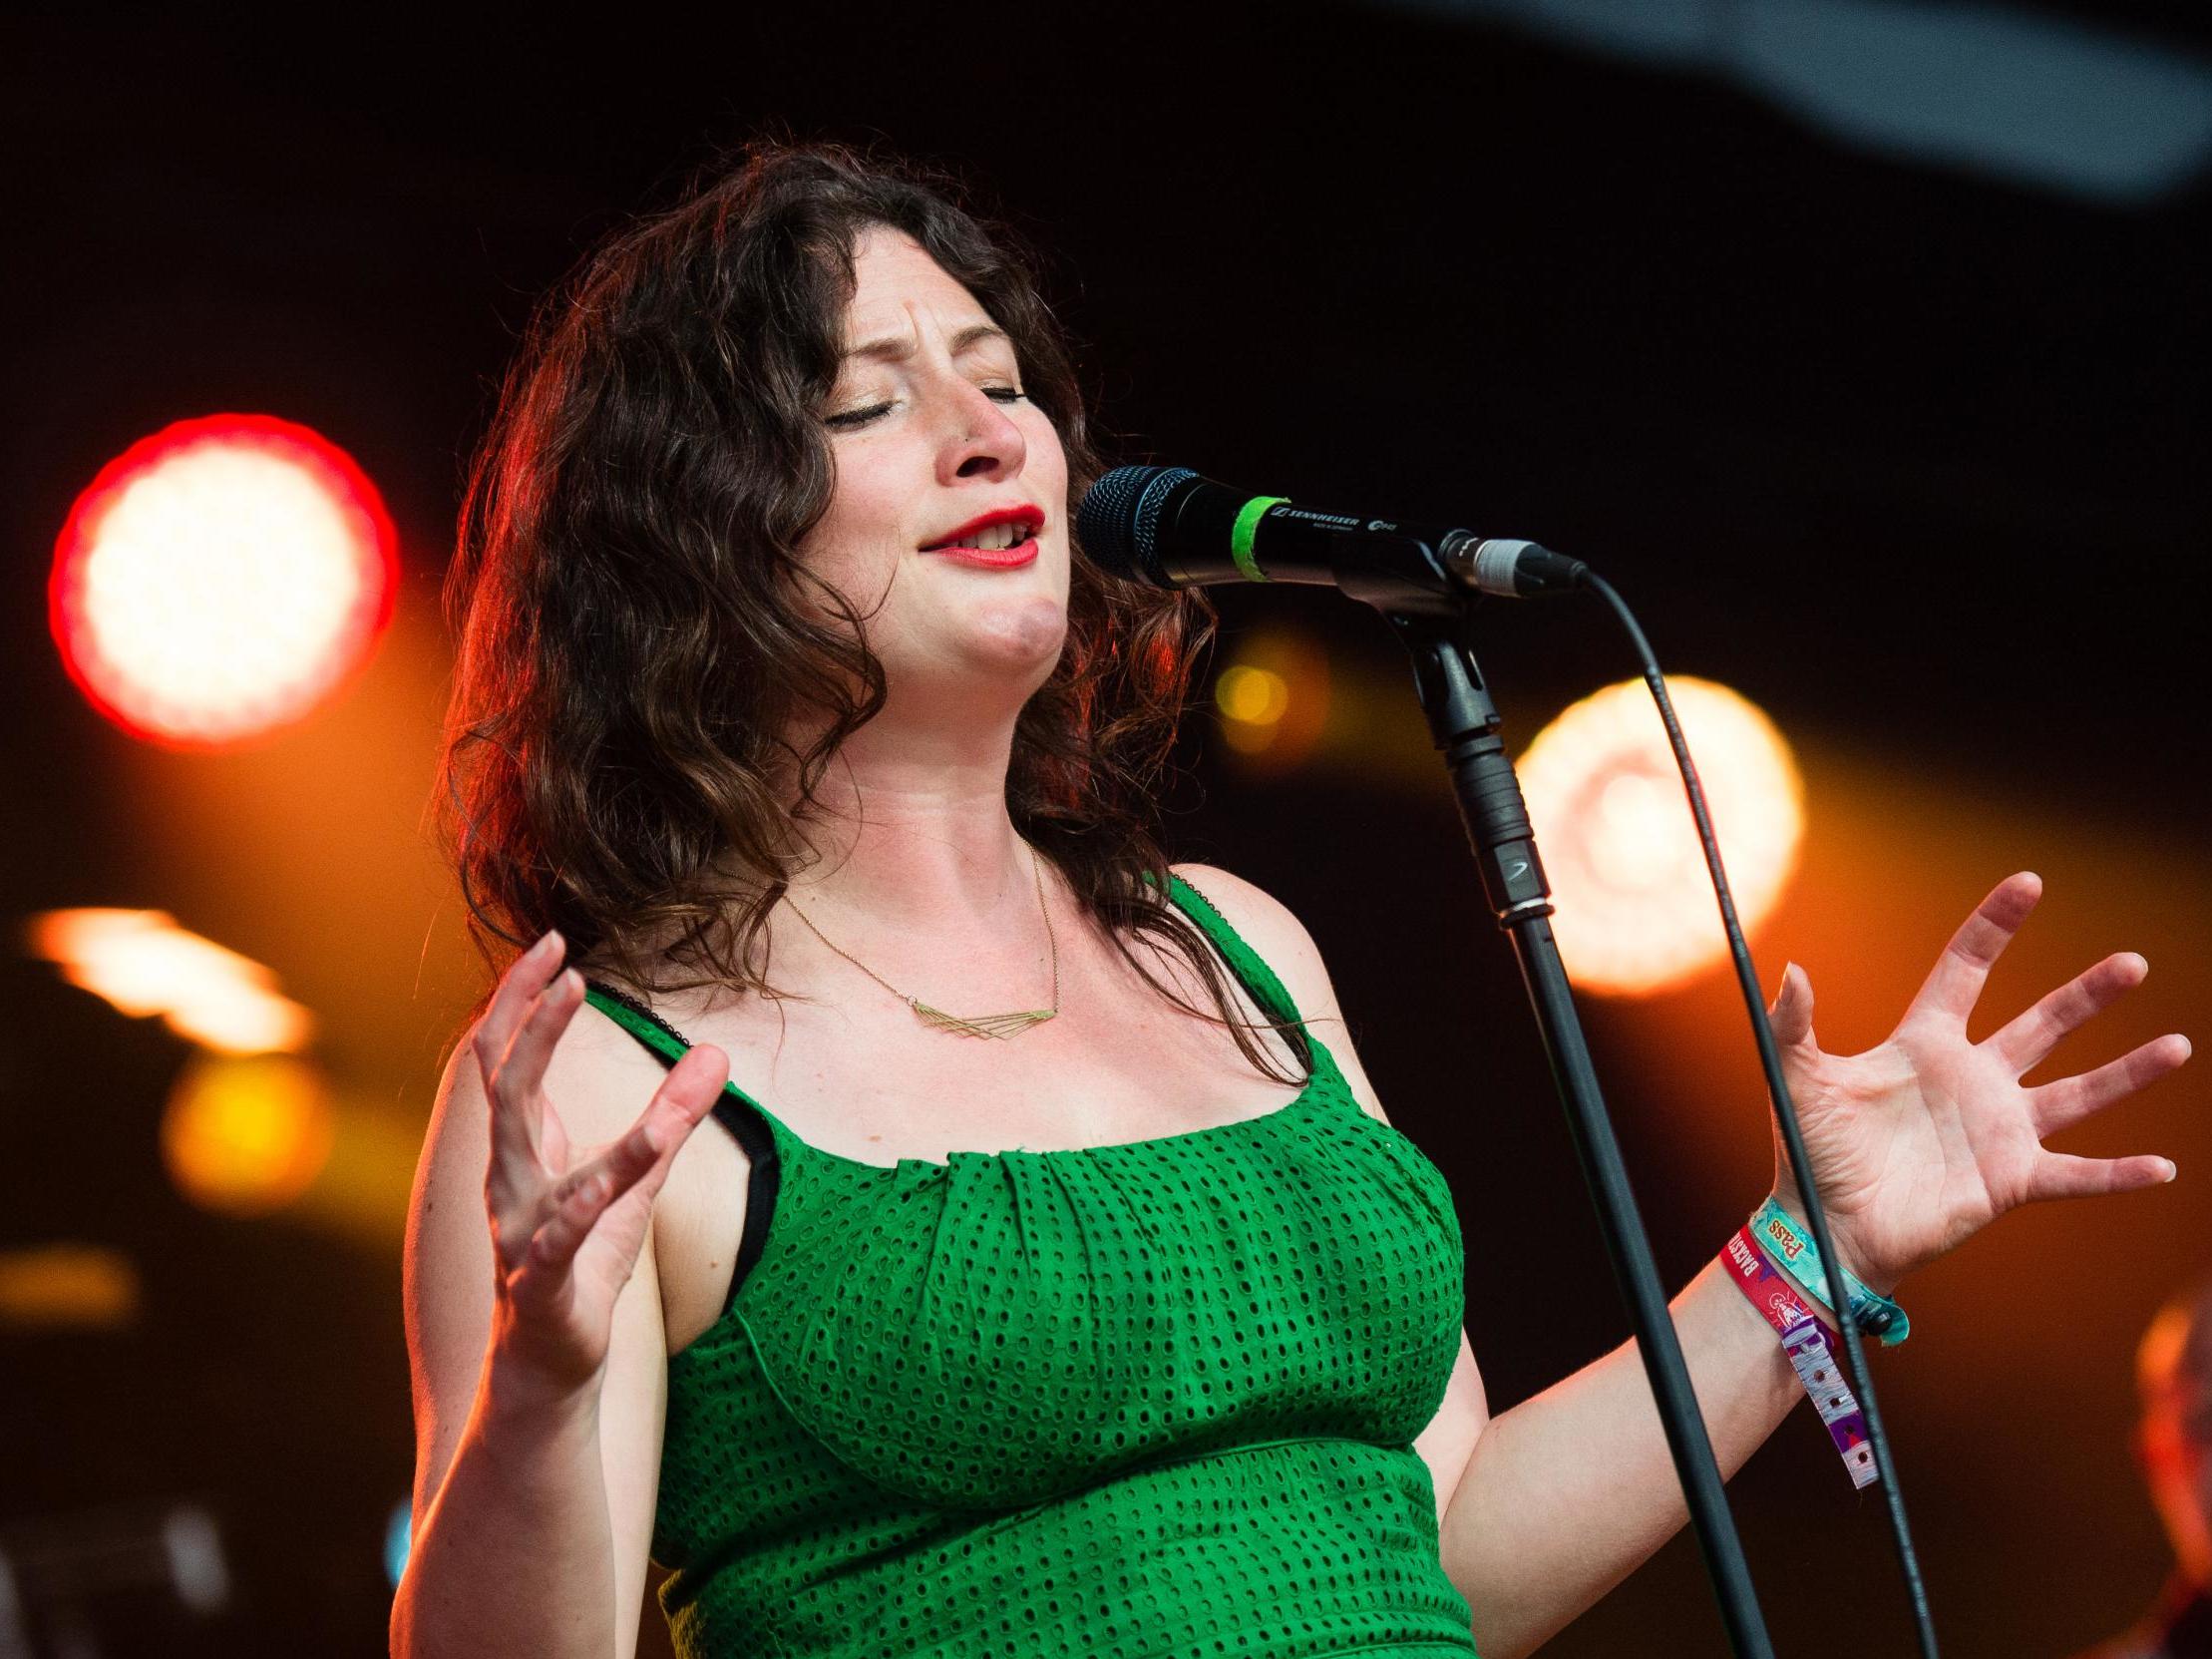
(978,441)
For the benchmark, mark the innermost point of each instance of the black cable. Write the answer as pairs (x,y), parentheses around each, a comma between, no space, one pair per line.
(1785,1114)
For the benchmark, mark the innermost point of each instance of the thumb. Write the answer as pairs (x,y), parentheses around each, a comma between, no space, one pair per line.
(1791,1011)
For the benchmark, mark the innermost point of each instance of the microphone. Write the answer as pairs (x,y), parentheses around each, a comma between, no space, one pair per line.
(1170,527)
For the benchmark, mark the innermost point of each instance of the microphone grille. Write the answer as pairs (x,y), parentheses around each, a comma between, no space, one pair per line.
(1118,520)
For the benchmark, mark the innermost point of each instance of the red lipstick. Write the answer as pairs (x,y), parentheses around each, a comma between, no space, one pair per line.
(1023,512)
(991,559)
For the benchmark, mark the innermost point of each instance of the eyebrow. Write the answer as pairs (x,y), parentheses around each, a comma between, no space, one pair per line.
(892,347)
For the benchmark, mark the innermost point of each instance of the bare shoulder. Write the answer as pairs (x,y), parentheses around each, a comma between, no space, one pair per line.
(599,1077)
(1270,927)
(1267,924)
(602,1060)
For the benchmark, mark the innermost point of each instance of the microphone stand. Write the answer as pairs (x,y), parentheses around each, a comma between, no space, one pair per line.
(1464,723)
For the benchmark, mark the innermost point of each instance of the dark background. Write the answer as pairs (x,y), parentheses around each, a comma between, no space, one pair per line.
(1911,455)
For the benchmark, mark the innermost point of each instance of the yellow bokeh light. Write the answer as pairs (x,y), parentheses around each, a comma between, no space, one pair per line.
(1636,907)
(1273,699)
(1254,696)
(247,1135)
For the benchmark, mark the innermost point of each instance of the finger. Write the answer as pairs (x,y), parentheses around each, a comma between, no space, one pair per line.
(2033,1034)
(1790,1016)
(2070,1099)
(682,1102)
(1955,983)
(523,1201)
(512,1003)
(692,1085)
(582,1199)
(524,977)
(516,1083)
(2062,1175)
(638,1163)
(589,1191)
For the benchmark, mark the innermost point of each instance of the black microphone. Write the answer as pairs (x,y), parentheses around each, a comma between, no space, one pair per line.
(1170,527)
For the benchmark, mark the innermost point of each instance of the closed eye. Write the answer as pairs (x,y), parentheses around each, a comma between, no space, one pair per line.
(861,417)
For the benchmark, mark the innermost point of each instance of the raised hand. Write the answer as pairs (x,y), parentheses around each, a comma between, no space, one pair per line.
(568,1222)
(1926,1139)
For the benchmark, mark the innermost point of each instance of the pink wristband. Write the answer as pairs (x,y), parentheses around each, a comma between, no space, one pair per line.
(1805,1340)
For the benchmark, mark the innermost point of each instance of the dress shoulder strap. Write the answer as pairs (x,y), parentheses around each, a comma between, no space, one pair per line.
(1248,965)
(735,1111)
(666,1043)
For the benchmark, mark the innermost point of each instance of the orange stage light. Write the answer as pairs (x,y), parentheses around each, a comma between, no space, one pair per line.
(1636,908)
(220,579)
(247,1135)
(142,962)
(82,1287)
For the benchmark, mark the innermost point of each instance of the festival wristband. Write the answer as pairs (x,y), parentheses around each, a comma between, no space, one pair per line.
(1792,1248)
(1805,1340)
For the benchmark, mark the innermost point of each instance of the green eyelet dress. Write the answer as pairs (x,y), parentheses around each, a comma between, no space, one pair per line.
(1130,1402)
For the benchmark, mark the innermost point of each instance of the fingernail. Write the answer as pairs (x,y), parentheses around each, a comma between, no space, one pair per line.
(2172,1169)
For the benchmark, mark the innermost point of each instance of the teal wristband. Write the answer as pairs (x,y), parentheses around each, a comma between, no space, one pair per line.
(1792,1246)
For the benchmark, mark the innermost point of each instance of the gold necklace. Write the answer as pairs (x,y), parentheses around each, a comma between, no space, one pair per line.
(982,1025)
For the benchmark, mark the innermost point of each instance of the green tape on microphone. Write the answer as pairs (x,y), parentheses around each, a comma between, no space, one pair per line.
(1241,535)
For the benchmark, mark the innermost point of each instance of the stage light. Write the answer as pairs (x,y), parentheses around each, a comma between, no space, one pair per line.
(220,580)
(247,1135)
(142,962)
(68,1287)
(1636,908)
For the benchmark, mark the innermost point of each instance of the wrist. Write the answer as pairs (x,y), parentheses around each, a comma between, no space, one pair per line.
(1806,1341)
(1785,1241)
(1880,1280)
(523,1408)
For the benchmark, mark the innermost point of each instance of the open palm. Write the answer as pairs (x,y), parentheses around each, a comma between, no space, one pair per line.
(1926,1139)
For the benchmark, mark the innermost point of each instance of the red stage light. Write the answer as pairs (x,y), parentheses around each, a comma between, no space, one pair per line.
(220,579)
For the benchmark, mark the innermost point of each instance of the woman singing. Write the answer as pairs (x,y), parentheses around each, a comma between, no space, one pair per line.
(1050,1281)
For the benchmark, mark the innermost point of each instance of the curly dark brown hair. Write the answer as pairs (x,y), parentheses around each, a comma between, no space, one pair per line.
(634,638)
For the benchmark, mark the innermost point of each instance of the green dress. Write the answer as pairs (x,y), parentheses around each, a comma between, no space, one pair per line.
(1130,1402)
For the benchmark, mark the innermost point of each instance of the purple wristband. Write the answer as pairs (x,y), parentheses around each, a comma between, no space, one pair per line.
(1805,1340)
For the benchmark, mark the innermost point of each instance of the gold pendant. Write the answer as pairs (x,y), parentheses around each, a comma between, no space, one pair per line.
(983,1024)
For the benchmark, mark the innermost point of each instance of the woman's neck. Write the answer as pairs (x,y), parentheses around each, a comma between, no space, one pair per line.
(914,834)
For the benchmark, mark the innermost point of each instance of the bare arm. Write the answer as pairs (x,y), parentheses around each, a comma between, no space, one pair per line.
(1917,1143)
(1533,1491)
(536,1341)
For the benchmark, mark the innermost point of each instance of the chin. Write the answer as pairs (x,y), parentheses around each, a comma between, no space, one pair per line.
(1022,632)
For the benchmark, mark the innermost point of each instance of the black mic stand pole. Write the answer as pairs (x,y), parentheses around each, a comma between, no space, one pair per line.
(1464,723)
